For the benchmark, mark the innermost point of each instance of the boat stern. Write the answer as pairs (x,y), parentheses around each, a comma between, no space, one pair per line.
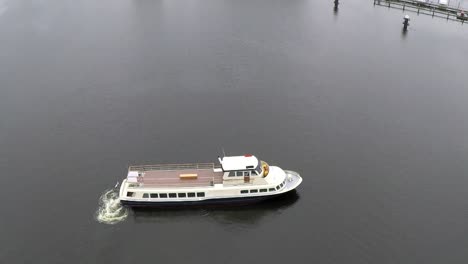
(123,189)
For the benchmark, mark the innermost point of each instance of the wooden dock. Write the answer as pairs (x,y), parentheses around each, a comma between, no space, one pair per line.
(427,8)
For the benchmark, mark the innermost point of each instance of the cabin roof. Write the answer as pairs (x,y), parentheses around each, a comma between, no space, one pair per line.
(239,162)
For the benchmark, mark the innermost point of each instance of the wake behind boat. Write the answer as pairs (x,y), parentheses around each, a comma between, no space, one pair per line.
(237,179)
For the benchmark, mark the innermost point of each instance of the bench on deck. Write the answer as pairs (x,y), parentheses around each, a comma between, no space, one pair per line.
(188,176)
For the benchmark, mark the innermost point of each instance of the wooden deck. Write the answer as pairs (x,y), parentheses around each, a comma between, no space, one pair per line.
(171,178)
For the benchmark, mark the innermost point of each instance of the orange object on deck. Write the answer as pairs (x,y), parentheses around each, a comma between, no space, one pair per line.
(188,176)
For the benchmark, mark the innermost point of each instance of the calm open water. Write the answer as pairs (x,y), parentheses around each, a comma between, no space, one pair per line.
(375,122)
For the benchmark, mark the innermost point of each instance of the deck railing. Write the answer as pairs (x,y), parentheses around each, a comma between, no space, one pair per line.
(196,166)
(427,8)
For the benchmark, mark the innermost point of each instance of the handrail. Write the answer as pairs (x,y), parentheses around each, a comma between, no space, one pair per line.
(428,6)
(197,166)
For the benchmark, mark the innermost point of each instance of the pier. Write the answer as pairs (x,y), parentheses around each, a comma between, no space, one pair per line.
(433,9)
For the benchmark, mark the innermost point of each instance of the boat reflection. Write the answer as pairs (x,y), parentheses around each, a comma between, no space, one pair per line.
(247,214)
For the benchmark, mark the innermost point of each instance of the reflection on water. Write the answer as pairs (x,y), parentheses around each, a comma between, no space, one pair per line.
(247,214)
(3,7)
(404,33)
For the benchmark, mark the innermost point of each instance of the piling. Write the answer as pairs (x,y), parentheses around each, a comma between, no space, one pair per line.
(406,20)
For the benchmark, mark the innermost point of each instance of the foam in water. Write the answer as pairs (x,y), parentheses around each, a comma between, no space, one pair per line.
(110,210)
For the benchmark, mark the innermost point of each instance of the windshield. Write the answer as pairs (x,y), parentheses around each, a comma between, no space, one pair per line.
(258,169)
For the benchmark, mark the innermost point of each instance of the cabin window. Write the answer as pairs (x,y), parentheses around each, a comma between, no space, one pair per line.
(259,169)
(181,195)
(277,187)
(191,194)
(172,195)
(163,195)
(200,194)
(250,167)
(281,185)
(130,194)
(244,191)
(246,173)
(232,174)
(271,189)
(145,195)
(253,191)
(263,190)
(154,195)
(240,173)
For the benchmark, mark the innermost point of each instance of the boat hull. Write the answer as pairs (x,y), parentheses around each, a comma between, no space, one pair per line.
(238,201)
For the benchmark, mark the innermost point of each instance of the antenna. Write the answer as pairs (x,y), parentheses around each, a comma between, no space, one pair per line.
(224,154)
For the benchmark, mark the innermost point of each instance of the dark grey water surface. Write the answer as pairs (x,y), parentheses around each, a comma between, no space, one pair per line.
(375,122)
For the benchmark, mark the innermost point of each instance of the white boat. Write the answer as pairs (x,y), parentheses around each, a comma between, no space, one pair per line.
(462,15)
(422,2)
(237,179)
(443,3)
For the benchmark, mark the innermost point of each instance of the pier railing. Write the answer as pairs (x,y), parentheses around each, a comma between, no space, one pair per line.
(427,8)
(196,166)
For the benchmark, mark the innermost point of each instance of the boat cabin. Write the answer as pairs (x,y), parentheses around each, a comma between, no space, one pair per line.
(245,168)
